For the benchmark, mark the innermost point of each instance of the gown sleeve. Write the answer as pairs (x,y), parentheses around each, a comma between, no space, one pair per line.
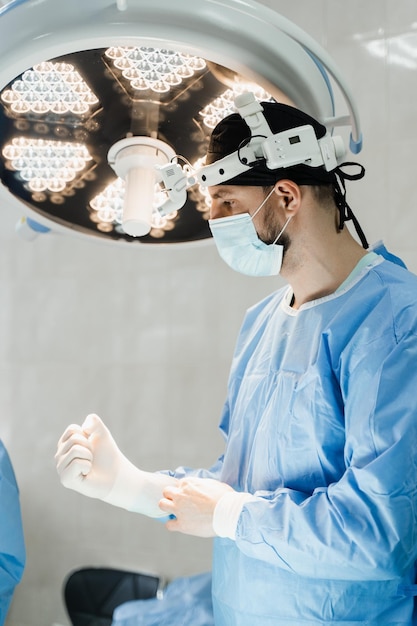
(213,472)
(12,548)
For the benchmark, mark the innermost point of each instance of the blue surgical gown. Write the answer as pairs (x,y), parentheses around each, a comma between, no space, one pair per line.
(320,422)
(12,548)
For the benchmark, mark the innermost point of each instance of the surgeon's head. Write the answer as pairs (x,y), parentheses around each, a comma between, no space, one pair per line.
(232,132)
(256,207)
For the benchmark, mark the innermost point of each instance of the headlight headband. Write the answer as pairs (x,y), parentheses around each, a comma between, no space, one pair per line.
(296,146)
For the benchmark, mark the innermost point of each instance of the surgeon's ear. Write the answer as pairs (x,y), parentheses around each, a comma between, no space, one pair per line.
(289,195)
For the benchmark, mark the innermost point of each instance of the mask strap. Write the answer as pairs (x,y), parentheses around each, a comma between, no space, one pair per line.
(282,230)
(260,207)
(265,200)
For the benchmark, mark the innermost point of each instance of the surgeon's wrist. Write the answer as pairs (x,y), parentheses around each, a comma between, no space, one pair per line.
(227,513)
(128,483)
(139,491)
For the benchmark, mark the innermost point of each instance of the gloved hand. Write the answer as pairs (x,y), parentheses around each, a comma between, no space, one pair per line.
(193,502)
(89,461)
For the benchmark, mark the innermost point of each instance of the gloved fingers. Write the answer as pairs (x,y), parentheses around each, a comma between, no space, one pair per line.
(193,503)
(68,432)
(65,448)
(68,454)
(75,472)
(170,520)
(171,491)
(76,436)
(186,516)
(93,425)
(74,456)
(166,503)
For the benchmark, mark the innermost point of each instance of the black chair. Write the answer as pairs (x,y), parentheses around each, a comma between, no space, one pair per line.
(91,594)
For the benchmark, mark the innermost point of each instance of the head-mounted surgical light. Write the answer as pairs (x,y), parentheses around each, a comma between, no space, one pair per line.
(97,97)
(297,146)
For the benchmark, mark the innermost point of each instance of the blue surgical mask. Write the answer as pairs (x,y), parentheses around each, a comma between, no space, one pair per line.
(239,246)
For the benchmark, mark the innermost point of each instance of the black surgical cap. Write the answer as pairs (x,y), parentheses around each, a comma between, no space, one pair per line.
(233,133)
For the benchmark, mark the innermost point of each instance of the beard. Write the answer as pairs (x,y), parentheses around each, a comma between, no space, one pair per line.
(272,227)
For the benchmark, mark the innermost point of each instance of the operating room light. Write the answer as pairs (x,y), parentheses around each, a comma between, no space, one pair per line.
(154,68)
(57,88)
(50,88)
(223,105)
(46,165)
(89,75)
(107,208)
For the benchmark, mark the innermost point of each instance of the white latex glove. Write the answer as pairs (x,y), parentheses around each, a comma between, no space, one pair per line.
(193,502)
(89,461)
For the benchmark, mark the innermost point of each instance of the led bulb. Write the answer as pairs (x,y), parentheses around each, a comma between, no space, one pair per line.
(44,164)
(224,104)
(50,87)
(154,68)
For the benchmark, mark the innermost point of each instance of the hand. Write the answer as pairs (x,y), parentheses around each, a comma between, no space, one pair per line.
(192,502)
(89,461)
(88,458)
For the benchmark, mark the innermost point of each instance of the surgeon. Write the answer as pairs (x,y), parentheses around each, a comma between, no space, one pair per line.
(313,504)
(12,547)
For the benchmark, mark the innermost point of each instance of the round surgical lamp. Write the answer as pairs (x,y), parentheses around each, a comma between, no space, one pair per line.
(95,95)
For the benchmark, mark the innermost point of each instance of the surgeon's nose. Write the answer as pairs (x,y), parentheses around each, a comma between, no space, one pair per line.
(221,208)
(216,210)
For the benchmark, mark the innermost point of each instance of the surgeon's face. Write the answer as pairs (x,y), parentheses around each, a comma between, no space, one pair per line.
(228,200)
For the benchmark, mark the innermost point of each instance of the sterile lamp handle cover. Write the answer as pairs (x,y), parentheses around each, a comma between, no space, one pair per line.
(90,462)
(135,159)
